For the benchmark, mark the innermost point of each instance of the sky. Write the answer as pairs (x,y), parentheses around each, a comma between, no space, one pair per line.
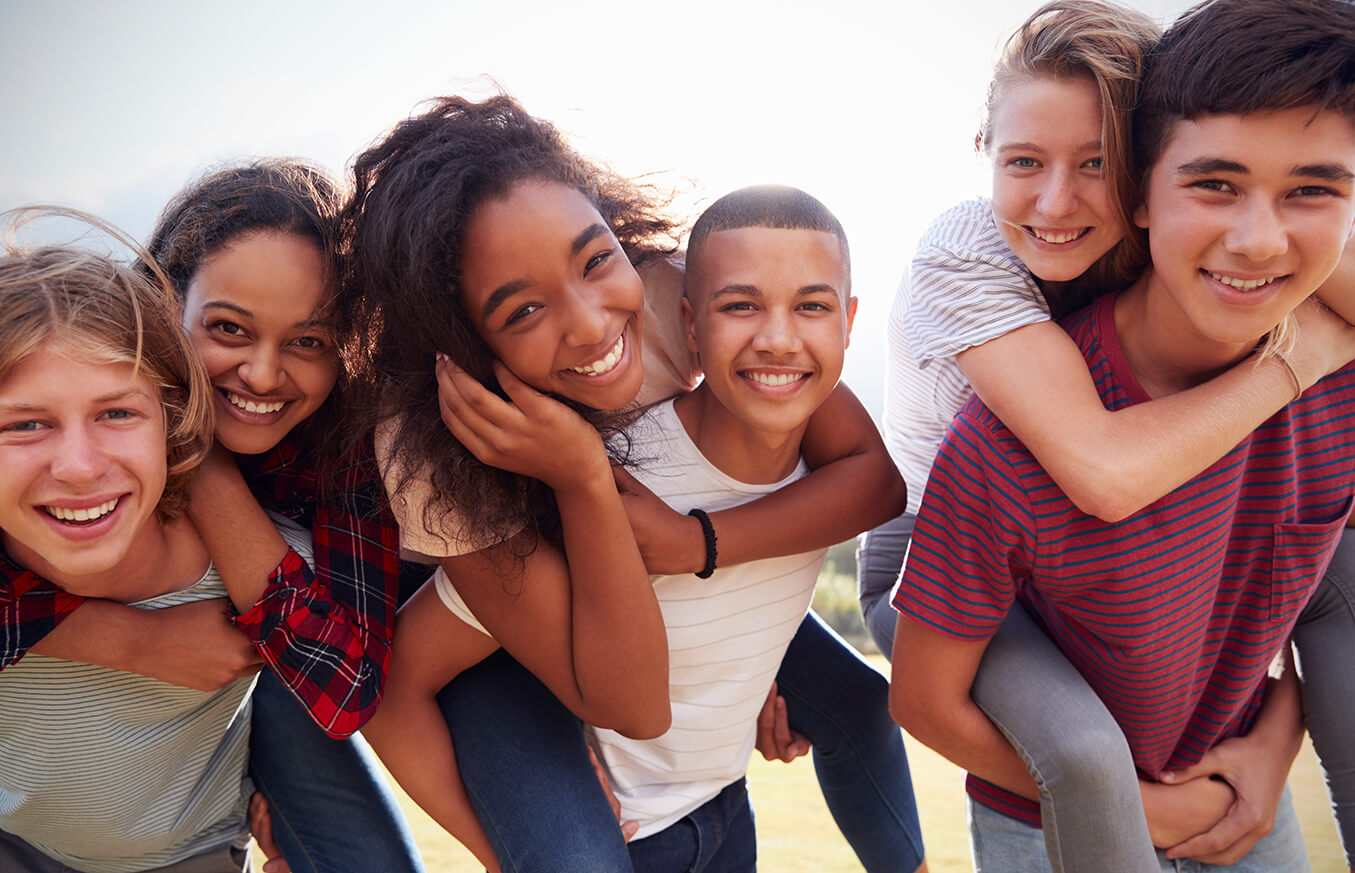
(870,105)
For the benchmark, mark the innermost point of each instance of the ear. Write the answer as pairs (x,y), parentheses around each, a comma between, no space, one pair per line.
(851,319)
(689,322)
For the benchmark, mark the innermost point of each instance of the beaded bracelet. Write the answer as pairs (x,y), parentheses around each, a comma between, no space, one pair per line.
(707,531)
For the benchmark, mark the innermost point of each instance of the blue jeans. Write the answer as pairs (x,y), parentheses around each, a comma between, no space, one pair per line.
(524,762)
(841,703)
(716,837)
(332,809)
(1004,845)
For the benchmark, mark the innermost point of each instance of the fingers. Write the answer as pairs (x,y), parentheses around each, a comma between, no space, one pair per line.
(766,728)
(261,826)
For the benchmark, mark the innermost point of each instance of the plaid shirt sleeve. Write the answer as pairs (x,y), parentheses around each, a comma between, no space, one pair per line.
(327,634)
(30,607)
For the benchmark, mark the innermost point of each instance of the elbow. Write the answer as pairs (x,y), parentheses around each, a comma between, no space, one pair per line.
(890,499)
(648,724)
(1105,505)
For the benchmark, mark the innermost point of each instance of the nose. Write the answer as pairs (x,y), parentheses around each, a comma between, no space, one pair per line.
(1259,232)
(777,334)
(1058,196)
(586,313)
(261,370)
(79,457)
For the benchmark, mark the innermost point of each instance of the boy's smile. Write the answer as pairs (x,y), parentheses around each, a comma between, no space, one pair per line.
(768,312)
(83,449)
(1247,215)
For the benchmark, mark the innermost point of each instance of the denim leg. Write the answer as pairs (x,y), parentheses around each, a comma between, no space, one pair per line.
(841,703)
(1324,639)
(1089,794)
(716,837)
(525,764)
(879,557)
(332,809)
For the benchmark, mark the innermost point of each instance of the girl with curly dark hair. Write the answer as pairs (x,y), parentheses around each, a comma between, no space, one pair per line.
(483,243)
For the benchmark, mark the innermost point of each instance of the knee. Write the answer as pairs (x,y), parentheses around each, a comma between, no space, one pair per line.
(1092,761)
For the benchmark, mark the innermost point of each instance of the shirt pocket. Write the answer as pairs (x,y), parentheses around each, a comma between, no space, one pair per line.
(1302,552)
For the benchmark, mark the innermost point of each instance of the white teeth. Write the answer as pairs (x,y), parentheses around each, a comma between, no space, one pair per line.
(92,513)
(774,380)
(1056,237)
(604,364)
(1241,284)
(251,406)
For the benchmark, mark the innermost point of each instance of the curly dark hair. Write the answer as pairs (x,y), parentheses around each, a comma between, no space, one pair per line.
(268,195)
(414,194)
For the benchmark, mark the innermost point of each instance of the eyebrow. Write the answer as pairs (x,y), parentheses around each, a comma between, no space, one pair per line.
(1210,166)
(508,289)
(753,290)
(110,397)
(1091,145)
(304,324)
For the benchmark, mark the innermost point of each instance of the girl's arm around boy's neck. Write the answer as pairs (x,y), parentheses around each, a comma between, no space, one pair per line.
(1113,464)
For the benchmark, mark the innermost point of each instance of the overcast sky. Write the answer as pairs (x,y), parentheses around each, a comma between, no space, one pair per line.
(870,106)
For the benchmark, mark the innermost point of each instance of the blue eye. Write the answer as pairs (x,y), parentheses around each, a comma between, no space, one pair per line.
(22,426)
(1096,163)
(1023,163)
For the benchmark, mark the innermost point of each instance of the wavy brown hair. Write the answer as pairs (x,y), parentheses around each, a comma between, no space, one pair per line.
(414,195)
(111,313)
(1109,44)
(268,195)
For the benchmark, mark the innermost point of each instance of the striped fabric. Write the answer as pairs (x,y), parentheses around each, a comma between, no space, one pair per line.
(1174,614)
(726,637)
(964,287)
(112,772)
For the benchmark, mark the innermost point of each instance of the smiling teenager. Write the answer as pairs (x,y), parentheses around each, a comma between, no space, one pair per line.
(485,239)
(251,252)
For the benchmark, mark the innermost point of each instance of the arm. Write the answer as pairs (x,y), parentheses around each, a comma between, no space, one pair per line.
(1255,766)
(1338,292)
(589,627)
(30,607)
(326,633)
(854,486)
(408,731)
(1112,464)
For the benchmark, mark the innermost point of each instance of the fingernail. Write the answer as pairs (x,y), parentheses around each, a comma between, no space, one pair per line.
(1167,776)
(441,358)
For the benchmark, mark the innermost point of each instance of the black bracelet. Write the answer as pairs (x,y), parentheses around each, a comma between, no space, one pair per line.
(707,531)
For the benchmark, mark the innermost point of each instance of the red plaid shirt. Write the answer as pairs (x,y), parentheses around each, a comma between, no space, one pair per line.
(326,634)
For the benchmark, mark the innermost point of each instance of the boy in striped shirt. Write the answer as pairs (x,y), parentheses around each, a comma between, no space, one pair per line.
(1246,131)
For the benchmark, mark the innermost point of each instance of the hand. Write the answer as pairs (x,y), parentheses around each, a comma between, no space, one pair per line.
(1326,342)
(628,828)
(195,645)
(775,740)
(1180,811)
(261,826)
(1257,780)
(530,434)
(669,542)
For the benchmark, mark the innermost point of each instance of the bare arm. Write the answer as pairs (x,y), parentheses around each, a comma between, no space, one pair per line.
(589,627)
(408,731)
(193,644)
(854,486)
(1338,292)
(1112,464)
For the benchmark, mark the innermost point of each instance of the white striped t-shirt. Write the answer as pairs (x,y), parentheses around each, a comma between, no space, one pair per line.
(113,772)
(964,287)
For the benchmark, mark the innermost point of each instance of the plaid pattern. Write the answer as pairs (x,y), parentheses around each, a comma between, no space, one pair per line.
(326,634)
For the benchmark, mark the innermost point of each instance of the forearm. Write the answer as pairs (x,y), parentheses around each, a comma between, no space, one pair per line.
(102,632)
(614,616)
(243,541)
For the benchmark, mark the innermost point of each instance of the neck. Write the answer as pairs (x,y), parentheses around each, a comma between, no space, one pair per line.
(737,449)
(1166,353)
(164,557)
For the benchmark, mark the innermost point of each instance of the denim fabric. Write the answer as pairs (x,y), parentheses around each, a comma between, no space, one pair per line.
(332,809)
(1089,792)
(525,765)
(716,837)
(1001,844)
(1324,640)
(841,703)
(879,557)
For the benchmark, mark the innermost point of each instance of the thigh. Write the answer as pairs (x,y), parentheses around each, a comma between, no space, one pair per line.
(879,557)
(317,787)
(716,837)
(525,764)
(18,856)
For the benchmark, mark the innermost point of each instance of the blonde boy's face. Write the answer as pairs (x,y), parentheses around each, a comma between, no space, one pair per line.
(82,446)
(1247,215)
(769,314)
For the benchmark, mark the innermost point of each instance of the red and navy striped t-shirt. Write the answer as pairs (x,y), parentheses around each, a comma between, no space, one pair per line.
(1174,614)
